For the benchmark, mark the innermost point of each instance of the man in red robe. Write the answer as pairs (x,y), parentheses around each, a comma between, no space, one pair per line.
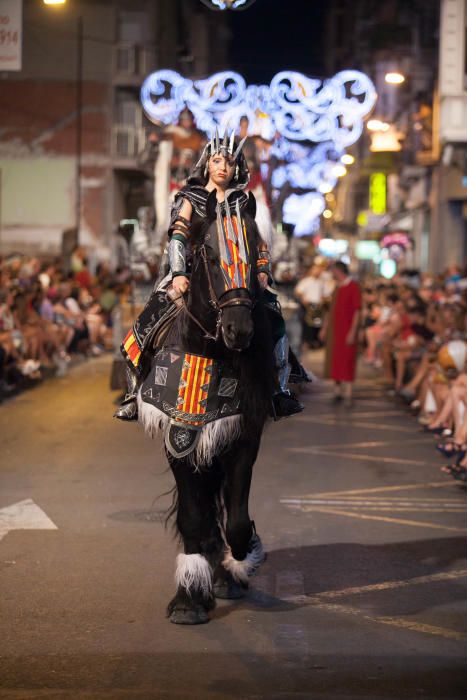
(340,330)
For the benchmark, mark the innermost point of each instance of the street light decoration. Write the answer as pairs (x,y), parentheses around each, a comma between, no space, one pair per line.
(304,167)
(377,125)
(394,78)
(339,170)
(308,122)
(228,4)
(298,107)
(387,141)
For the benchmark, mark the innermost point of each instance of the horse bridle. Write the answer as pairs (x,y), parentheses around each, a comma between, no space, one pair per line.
(216,301)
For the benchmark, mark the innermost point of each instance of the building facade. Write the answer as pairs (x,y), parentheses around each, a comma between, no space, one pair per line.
(418,137)
(71,125)
(449,192)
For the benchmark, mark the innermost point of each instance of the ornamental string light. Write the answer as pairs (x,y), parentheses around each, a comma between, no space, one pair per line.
(298,107)
(228,4)
(310,122)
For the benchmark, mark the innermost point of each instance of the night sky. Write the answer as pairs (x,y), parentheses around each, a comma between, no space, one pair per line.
(274,35)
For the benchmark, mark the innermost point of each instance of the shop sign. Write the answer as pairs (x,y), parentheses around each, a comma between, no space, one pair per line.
(11,21)
(396,244)
(378,193)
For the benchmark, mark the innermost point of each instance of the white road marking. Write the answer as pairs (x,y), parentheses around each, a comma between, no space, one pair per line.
(347,423)
(399,622)
(385,489)
(24,515)
(373,503)
(327,510)
(319,600)
(392,585)
(370,444)
(318,451)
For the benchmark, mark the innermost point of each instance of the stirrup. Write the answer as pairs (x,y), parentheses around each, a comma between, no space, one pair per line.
(128,409)
(284,404)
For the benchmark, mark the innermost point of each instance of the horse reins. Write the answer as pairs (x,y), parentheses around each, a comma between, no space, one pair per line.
(216,301)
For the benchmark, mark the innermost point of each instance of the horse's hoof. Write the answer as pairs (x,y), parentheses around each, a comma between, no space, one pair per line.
(229,589)
(189,616)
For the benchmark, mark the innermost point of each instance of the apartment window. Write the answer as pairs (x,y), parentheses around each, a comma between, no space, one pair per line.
(131,27)
(128,109)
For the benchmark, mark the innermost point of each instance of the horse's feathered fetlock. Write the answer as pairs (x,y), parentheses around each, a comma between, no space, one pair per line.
(244,569)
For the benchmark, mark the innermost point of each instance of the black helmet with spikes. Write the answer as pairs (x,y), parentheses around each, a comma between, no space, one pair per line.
(227,146)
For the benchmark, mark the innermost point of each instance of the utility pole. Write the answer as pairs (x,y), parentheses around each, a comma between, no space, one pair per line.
(79,105)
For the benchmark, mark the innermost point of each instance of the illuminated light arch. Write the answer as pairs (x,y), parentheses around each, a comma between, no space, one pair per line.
(316,121)
(228,4)
(298,107)
(303,212)
(304,167)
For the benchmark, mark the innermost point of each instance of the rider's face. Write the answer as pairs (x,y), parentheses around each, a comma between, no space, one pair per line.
(221,170)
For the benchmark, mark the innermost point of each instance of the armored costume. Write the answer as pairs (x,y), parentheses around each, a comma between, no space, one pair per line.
(151,325)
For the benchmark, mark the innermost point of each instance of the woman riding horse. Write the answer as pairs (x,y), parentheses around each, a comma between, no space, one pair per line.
(222,168)
(211,376)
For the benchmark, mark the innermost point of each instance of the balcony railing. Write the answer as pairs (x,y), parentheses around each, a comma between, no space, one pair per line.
(132,61)
(127,141)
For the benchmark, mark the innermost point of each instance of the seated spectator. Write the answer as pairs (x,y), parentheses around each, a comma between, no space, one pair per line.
(43,317)
(421,337)
(413,346)
(69,313)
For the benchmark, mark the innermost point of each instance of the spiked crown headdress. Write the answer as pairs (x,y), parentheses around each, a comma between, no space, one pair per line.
(226,146)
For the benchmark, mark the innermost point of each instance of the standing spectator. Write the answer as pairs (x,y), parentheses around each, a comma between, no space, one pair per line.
(310,293)
(340,331)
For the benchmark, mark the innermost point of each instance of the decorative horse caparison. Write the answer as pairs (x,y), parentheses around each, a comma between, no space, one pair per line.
(228,333)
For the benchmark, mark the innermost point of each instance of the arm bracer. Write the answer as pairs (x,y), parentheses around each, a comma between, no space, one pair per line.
(264,263)
(177,256)
(179,233)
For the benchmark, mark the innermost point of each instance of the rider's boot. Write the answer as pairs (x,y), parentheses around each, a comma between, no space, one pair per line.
(128,409)
(298,374)
(284,401)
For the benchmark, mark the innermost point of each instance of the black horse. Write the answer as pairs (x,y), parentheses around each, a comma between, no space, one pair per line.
(221,547)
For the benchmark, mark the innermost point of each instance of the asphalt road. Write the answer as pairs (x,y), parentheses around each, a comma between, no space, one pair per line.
(363,595)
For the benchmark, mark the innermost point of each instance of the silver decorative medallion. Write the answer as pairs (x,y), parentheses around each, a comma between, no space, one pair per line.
(227,387)
(182,438)
(160,375)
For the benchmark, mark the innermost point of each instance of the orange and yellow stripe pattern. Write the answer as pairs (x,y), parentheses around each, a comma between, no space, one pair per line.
(194,385)
(131,348)
(240,280)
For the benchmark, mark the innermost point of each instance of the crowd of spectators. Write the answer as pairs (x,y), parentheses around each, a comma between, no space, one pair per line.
(414,332)
(47,316)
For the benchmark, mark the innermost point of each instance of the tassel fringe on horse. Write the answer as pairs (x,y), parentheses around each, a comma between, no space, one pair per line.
(214,437)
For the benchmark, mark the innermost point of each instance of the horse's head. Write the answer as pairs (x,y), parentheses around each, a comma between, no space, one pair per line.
(226,256)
